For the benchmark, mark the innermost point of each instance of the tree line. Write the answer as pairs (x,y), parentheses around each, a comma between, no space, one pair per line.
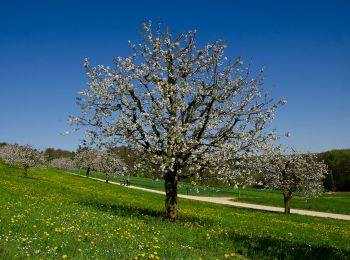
(338,162)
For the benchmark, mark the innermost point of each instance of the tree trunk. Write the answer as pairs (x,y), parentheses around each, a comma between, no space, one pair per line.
(88,171)
(25,173)
(287,197)
(106,178)
(171,196)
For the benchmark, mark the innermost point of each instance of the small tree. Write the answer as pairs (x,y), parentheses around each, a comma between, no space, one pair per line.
(291,172)
(23,155)
(109,164)
(62,163)
(185,108)
(86,159)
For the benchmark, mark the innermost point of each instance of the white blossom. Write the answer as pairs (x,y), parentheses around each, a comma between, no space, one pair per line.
(86,158)
(109,164)
(62,163)
(187,108)
(290,171)
(23,155)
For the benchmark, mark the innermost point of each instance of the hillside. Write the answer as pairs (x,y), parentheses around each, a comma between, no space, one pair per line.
(56,215)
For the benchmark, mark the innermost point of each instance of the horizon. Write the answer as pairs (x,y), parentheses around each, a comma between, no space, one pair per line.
(304,48)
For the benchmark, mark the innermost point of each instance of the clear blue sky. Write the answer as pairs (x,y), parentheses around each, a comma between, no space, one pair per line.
(303,45)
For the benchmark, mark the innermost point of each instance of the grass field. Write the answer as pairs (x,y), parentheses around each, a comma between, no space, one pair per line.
(54,215)
(338,202)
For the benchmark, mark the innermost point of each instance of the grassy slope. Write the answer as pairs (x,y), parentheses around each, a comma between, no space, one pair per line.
(338,202)
(84,219)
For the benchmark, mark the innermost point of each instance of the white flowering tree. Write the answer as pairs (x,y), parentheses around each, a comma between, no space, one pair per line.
(189,109)
(23,155)
(85,159)
(109,164)
(291,172)
(62,163)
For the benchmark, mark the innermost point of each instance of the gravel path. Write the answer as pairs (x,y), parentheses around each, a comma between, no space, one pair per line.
(227,201)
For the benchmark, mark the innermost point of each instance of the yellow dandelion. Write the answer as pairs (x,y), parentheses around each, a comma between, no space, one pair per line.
(64,257)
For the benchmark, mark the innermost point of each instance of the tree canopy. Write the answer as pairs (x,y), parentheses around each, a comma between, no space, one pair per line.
(187,108)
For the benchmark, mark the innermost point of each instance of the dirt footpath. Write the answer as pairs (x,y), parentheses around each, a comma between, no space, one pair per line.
(227,201)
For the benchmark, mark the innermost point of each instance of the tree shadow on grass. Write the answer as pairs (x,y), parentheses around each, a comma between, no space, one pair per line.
(31,178)
(273,247)
(122,210)
(280,248)
(142,213)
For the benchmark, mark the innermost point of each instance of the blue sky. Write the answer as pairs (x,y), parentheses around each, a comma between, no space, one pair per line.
(303,45)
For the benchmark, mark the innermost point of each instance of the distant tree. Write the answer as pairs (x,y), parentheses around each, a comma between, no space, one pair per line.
(86,159)
(52,153)
(187,109)
(109,164)
(62,163)
(128,156)
(291,172)
(23,155)
(338,161)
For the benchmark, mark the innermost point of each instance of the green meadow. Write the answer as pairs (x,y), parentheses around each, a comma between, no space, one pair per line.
(335,202)
(56,215)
